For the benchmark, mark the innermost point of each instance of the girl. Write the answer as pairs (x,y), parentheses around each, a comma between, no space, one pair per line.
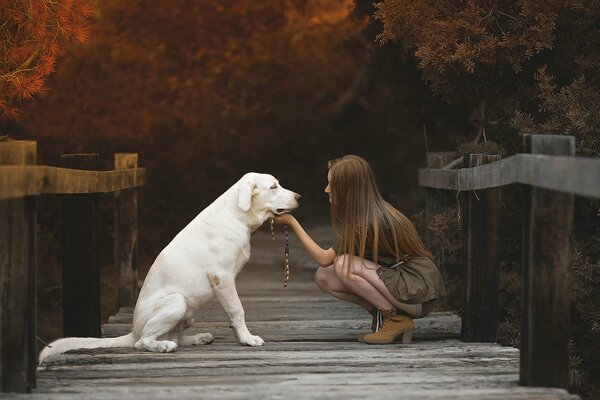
(379,262)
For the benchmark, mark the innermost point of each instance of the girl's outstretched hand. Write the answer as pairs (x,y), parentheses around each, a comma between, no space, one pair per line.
(285,219)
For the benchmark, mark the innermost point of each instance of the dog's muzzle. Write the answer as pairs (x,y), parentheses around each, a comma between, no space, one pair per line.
(280,211)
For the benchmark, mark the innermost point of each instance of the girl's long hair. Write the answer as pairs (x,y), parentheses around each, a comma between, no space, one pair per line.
(363,220)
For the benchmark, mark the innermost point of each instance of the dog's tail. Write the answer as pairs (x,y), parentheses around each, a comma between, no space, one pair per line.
(74,343)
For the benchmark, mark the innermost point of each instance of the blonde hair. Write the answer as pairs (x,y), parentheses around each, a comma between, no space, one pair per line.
(365,219)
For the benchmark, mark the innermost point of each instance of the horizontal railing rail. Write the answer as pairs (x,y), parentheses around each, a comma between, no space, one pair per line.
(551,175)
(79,183)
(31,180)
(576,175)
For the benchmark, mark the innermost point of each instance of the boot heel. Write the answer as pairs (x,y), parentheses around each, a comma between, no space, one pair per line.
(407,336)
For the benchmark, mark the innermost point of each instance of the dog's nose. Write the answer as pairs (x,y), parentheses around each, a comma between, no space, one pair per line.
(297,196)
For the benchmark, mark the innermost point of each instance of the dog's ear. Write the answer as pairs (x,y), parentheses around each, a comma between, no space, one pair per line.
(245,190)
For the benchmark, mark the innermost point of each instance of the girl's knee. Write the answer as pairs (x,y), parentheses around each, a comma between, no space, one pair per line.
(340,266)
(345,266)
(340,261)
(321,278)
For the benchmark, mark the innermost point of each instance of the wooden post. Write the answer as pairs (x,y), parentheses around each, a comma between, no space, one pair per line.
(18,278)
(81,273)
(126,235)
(545,312)
(437,201)
(481,273)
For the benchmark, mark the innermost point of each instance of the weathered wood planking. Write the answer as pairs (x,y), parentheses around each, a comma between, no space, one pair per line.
(20,181)
(576,175)
(435,327)
(312,354)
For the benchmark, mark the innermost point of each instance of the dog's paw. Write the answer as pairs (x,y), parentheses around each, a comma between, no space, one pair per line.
(201,338)
(166,346)
(252,340)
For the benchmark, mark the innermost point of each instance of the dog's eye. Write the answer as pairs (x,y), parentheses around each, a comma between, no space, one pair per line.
(274,186)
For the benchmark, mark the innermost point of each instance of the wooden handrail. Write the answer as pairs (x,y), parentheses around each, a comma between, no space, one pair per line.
(576,175)
(552,175)
(20,181)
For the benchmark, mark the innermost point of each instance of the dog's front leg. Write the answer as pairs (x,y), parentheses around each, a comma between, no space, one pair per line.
(224,287)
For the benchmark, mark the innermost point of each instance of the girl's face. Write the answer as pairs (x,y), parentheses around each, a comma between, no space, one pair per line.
(328,187)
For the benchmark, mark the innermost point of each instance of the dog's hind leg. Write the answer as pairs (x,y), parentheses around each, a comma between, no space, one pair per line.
(193,340)
(167,317)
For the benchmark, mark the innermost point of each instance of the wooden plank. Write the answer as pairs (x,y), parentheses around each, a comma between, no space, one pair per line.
(309,369)
(576,175)
(545,313)
(17,280)
(268,311)
(316,356)
(126,234)
(481,272)
(81,272)
(438,326)
(19,181)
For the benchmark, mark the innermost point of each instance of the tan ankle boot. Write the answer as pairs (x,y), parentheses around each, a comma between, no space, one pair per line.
(393,325)
(373,313)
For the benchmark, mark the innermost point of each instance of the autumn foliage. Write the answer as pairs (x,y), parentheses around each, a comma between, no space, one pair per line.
(491,55)
(32,35)
(206,90)
(524,66)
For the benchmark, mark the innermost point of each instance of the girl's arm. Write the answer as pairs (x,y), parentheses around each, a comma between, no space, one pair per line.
(323,257)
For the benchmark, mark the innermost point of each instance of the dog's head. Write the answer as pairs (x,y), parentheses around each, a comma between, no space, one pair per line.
(263,194)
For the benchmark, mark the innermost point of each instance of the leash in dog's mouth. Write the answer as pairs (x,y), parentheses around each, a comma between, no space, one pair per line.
(280,211)
(286,271)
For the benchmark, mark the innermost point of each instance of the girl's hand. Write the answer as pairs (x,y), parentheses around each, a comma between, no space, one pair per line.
(285,219)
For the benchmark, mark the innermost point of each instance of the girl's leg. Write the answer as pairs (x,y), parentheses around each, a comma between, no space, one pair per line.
(328,281)
(361,278)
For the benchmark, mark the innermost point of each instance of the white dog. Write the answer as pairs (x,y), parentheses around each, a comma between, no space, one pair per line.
(203,260)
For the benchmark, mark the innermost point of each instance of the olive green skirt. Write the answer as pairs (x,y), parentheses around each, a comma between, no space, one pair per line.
(416,280)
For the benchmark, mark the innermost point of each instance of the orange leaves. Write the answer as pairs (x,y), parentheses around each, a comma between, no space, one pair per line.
(28,85)
(34,31)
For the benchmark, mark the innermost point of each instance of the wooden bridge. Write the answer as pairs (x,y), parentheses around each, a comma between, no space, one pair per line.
(311,349)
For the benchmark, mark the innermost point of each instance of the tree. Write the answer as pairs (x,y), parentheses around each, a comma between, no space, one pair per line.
(490,54)
(524,66)
(32,34)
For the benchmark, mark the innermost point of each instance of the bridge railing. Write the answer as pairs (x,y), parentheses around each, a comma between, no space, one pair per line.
(552,175)
(80,184)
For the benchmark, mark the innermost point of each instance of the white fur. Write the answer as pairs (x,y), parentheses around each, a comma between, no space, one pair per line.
(202,261)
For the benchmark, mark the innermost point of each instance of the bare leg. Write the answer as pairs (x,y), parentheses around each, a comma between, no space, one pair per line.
(360,276)
(329,282)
